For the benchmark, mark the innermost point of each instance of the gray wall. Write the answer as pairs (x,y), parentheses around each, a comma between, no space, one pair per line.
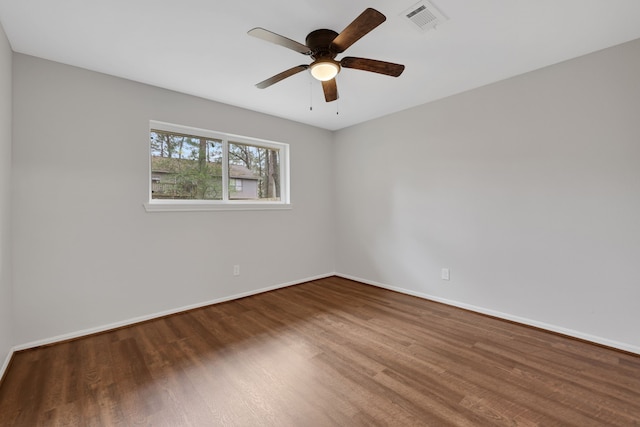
(528,190)
(87,254)
(6,318)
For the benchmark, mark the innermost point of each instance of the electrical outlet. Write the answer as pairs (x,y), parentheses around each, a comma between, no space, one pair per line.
(236,270)
(444,274)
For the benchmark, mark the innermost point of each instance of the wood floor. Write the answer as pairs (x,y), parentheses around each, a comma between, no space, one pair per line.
(326,353)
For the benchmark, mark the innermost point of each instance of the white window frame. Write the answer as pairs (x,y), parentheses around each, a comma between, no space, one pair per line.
(164,205)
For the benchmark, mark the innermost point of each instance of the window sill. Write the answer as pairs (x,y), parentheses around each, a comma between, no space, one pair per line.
(195,206)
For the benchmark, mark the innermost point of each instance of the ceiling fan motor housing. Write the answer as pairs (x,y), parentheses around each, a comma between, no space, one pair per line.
(319,41)
(324,66)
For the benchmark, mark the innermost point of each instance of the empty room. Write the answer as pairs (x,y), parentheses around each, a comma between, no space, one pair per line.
(320,213)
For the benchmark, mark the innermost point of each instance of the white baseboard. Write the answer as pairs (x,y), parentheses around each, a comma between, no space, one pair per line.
(128,322)
(6,362)
(546,326)
(529,322)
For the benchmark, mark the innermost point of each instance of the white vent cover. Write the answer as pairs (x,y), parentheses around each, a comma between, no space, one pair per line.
(424,15)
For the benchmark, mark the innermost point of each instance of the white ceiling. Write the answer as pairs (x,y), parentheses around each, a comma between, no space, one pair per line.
(201,47)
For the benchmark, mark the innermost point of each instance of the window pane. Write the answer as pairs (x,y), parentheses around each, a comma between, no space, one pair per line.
(255,171)
(185,167)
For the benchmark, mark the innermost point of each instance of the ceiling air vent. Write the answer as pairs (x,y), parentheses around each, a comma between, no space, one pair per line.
(424,15)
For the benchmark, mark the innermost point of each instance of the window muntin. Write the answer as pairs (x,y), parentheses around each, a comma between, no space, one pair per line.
(189,165)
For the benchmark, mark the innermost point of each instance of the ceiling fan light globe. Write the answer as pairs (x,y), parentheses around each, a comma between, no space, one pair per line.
(324,70)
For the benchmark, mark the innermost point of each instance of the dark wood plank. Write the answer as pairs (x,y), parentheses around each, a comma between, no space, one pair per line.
(327,352)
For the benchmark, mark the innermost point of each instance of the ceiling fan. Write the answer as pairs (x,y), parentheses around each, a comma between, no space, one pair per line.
(323,46)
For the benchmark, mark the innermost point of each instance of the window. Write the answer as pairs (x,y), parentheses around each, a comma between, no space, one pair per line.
(197,169)
(235,185)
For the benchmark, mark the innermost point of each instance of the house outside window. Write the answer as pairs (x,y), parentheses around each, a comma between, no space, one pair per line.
(190,166)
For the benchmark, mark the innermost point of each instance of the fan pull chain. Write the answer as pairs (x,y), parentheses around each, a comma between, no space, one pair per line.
(337,106)
(311,96)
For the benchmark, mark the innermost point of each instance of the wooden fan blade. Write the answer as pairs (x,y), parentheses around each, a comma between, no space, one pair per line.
(281,76)
(330,90)
(375,66)
(271,37)
(367,21)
